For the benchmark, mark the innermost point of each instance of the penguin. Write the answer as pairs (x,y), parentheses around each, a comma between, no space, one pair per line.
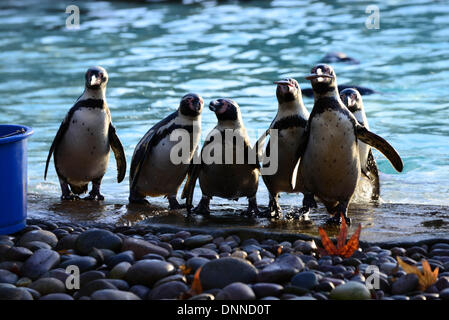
(82,144)
(153,172)
(329,164)
(336,56)
(353,101)
(228,167)
(290,123)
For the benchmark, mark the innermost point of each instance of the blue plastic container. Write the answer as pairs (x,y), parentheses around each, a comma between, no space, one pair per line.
(13,177)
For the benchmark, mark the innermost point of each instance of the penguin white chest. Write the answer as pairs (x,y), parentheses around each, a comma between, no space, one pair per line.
(331,165)
(84,151)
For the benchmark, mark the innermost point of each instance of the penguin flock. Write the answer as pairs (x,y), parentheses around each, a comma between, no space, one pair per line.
(323,155)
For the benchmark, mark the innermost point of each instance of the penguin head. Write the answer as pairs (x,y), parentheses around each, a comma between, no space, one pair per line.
(96,78)
(191,105)
(287,90)
(352,99)
(225,109)
(322,78)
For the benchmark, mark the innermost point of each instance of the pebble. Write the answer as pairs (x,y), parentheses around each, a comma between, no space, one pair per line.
(38,235)
(197,240)
(48,285)
(282,269)
(442,283)
(222,272)
(147,272)
(89,276)
(236,291)
(404,284)
(8,277)
(85,263)
(140,291)
(203,296)
(12,293)
(168,290)
(350,290)
(262,289)
(56,296)
(307,280)
(196,262)
(142,247)
(93,286)
(125,256)
(17,254)
(36,245)
(111,294)
(97,238)
(40,262)
(175,277)
(119,271)
(444,294)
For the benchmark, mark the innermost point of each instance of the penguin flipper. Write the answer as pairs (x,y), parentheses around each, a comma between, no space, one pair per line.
(119,153)
(258,147)
(59,135)
(299,153)
(380,144)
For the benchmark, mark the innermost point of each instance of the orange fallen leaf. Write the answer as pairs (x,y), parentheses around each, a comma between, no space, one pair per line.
(185,271)
(279,251)
(342,249)
(426,278)
(196,284)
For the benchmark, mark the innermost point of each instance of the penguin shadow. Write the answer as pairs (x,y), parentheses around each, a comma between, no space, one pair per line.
(84,210)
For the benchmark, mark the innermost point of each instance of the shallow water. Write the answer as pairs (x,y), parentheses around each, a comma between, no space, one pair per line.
(157,52)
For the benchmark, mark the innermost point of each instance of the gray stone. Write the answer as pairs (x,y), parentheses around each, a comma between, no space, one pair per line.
(153,256)
(48,285)
(203,296)
(97,238)
(8,277)
(119,284)
(444,295)
(351,290)
(142,247)
(67,242)
(389,268)
(111,294)
(18,254)
(85,263)
(40,262)
(89,276)
(38,235)
(168,290)
(147,272)
(59,274)
(93,286)
(307,280)
(195,263)
(197,240)
(120,270)
(236,291)
(442,283)
(140,291)
(262,289)
(404,284)
(282,270)
(175,277)
(222,272)
(56,296)
(12,293)
(36,245)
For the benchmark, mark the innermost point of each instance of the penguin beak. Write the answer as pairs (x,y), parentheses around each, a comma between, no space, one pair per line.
(215,106)
(283,82)
(313,76)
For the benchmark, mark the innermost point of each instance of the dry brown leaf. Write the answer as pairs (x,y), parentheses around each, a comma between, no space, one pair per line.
(196,284)
(426,278)
(185,271)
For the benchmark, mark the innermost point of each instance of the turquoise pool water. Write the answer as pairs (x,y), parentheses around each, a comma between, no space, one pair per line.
(157,52)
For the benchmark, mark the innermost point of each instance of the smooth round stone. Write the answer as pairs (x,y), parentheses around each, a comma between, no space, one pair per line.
(166,236)
(12,293)
(418,297)
(197,240)
(48,285)
(239,254)
(59,274)
(147,272)
(304,246)
(351,290)
(95,285)
(203,296)
(177,243)
(282,270)
(89,276)
(120,270)
(8,277)
(236,291)
(351,262)
(297,291)
(312,264)
(319,296)
(40,262)
(416,249)
(56,296)
(111,294)
(397,251)
(400,297)
(39,235)
(119,284)
(440,246)
(307,280)
(222,272)
(254,256)
(140,291)
(177,262)
(18,254)
(175,277)
(23,282)
(125,256)
(153,256)
(388,268)
(404,284)
(262,289)
(168,290)
(85,263)
(196,262)
(325,286)
(442,283)
(97,238)
(141,248)
(36,245)
(444,295)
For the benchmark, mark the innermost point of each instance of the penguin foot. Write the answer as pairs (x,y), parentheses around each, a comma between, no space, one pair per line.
(94,196)
(271,213)
(252,210)
(309,201)
(202,208)
(174,204)
(138,200)
(298,215)
(336,220)
(69,197)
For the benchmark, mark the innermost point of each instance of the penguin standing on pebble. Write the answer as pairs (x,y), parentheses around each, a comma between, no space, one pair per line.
(329,163)
(353,101)
(153,169)
(290,123)
(228,166)
(82,144)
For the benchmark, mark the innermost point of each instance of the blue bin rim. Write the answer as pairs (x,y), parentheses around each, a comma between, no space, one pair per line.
(13,127)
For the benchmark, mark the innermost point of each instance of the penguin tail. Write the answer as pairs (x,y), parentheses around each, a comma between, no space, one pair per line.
(79,189)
